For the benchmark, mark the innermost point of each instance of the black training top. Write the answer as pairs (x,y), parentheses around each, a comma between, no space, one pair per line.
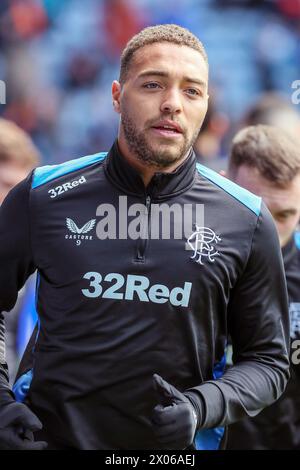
(113,311)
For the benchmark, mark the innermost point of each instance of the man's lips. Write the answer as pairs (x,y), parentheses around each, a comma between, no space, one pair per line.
(166,133)
(167,129)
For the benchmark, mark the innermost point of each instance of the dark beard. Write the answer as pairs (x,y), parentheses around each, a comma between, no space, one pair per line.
(138,145)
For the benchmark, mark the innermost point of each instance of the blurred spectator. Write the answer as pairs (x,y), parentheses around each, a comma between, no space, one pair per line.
(18,156)
(243,3)
(290,8)
(274,110)
(121,21)
(28,18)
(209,146)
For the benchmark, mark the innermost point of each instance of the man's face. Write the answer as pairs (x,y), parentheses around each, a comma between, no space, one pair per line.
(162,103)
(283,203)
(11,173)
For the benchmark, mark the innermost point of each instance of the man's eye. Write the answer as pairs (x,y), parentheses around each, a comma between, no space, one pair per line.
(150,85)
(193,91)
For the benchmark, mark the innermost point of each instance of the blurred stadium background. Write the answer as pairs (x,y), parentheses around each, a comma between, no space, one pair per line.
(59,57)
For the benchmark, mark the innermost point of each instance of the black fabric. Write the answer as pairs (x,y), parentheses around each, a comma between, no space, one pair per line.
(96,354)
(278,426)
(17,427)
(174,418)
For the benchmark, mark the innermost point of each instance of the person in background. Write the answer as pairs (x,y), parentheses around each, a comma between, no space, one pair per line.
(266,161)
(209,145)
(273,109)
(18,156)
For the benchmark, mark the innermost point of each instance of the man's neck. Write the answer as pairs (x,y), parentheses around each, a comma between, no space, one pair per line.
(146,171)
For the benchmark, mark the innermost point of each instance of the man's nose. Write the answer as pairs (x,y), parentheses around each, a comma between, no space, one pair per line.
(172,102)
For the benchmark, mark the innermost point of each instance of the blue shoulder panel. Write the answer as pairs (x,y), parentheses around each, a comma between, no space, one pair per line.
(243,195)
(47,173)
(297,239)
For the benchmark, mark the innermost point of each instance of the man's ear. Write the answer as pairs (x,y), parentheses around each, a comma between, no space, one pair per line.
(116,94)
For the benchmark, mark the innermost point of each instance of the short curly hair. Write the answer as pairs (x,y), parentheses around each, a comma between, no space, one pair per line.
(268,149)
(172,33)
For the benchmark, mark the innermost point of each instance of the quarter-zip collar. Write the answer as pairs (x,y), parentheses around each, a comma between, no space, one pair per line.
(162,185)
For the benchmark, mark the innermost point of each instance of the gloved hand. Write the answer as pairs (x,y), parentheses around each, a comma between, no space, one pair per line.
(174,419)
(17,425)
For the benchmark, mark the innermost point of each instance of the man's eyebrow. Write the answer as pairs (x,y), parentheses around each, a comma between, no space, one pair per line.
(160,73)
(287,211)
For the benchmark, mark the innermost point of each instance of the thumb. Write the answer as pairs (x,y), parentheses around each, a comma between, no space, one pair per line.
(165,392)
(34,445)
(29,420)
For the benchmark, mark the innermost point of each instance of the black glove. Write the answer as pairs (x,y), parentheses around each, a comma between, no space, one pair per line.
(17,425)
(175,419)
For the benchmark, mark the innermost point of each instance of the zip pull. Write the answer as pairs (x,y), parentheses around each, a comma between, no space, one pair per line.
(148,202)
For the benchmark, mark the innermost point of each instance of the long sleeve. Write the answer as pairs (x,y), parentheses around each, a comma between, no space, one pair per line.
(16,260)
(258,322)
